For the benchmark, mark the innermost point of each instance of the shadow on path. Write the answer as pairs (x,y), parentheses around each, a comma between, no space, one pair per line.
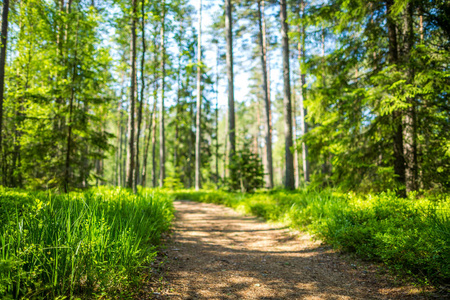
(217,254)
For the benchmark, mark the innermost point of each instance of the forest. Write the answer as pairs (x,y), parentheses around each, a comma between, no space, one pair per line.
(329,116)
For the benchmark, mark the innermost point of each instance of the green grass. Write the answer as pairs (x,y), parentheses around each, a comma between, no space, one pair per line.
(77,245)
(409,235)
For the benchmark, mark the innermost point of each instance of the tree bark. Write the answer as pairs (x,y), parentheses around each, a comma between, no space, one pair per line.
(409,124)
(69,134)
(217,116)
(303,111)
(230,75)
(131,118)
(162,138)
(294,134)
(4,40)
(267,113)
(399,161)
(151,125)
(120,150)
(198,176)
(141,101)
(154,143)
(289,160)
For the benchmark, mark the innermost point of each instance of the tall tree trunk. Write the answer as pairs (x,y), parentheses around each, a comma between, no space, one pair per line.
(131,120)
(267,113)
(147,144)
(162,144)
(230,75)
(141,101)
(217,116)
(72,98)
(267,60)
(189,166)
(294,133)
(303,111)
(399,161)
(120,150)
(4,40)
(289,160)
(225,154)
(154,143)
(177,105)
(198,136)
(409,124)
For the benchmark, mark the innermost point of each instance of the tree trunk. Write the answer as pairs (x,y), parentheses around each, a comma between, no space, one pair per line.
(303,111)
(294,133)
(230,75)
(120,150)
(198,175)
(131,120)
(141,102)
(177,105)
(217,117)
(189,166)
(225,154)
(69,134)
(162,144)
(4,40)
(267,113)
(154,142)
(399,161)
(409,124)
(289,160)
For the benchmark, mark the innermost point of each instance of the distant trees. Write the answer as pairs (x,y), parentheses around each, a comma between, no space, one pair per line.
(371,102)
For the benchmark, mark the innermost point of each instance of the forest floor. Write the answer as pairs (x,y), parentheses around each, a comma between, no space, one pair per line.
(216,253)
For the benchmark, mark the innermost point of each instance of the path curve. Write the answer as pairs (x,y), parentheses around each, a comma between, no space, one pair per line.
(216,253)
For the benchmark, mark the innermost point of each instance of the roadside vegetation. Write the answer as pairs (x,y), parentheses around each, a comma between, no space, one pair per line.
(82,244)
(410,235)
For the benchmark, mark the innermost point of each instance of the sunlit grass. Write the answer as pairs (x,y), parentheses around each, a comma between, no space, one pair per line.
(77,244)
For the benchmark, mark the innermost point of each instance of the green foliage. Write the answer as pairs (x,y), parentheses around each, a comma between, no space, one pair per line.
(77,244)
(409,235)
(247,172)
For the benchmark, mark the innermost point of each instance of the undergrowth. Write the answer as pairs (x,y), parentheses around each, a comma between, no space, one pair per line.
(84,244)
(409,235)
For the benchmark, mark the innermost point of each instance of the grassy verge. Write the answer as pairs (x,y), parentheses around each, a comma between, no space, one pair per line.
(409,235)
(77,245)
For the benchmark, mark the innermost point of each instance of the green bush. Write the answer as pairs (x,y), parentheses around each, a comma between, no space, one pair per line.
(77,244)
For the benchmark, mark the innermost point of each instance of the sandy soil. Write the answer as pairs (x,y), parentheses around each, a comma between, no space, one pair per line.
(215,253)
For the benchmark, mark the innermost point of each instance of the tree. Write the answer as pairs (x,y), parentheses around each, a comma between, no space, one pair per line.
(303,111)
(267,113)
(3,40)
(289,160)
(162,144)
(131,115)
(198,176)
(230,76)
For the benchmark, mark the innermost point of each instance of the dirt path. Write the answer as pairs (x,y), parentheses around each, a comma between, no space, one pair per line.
(216,253)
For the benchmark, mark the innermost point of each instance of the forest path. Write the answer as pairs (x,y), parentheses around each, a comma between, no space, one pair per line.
(216,253)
